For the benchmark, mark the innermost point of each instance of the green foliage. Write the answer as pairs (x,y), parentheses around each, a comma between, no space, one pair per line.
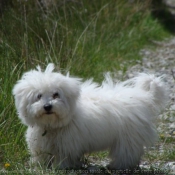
(99,35)
(85,37)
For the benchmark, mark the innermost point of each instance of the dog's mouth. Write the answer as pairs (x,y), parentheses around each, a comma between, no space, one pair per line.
(49,113)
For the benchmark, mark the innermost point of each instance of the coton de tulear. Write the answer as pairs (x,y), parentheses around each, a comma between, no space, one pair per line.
(68,118)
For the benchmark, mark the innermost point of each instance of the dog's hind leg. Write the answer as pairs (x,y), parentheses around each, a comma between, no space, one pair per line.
(125,155)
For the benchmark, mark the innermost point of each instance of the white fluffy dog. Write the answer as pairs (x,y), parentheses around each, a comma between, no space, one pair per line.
(67,118)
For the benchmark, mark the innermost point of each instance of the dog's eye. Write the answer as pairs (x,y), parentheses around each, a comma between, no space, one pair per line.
(39,96)
(56,95)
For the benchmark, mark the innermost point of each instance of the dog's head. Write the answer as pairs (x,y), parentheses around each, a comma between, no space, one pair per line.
(47,99)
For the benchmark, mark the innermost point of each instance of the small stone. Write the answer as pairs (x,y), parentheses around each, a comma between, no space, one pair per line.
(172,126)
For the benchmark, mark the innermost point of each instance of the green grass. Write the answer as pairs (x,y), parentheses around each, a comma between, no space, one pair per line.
(86,37)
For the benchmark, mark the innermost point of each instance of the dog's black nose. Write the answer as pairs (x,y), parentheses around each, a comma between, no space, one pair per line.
(47,107)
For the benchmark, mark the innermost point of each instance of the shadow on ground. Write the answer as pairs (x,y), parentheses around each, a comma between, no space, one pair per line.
(164,12)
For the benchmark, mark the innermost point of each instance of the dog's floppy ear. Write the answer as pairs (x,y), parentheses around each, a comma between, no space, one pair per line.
(71,87)
(24,88)
(21,92)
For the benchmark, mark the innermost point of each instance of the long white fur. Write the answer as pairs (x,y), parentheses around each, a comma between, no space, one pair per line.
(87,117)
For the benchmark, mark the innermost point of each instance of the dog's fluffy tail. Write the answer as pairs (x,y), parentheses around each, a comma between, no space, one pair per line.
(148,83)
(159,92)
(156,87)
